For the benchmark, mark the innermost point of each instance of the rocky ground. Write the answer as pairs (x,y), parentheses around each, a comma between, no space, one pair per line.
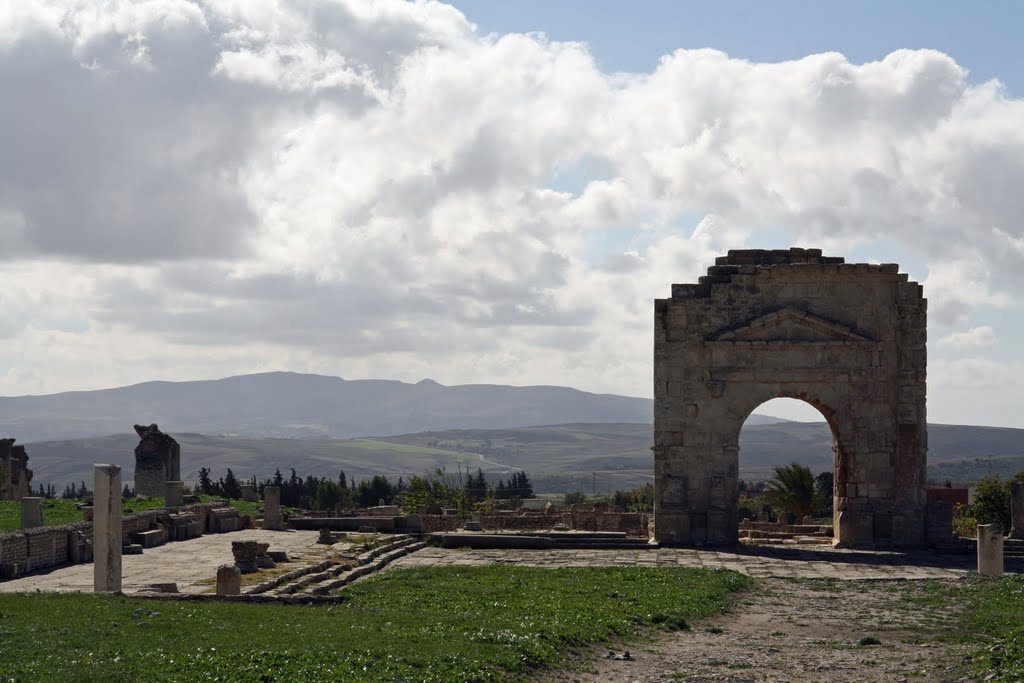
(800,631)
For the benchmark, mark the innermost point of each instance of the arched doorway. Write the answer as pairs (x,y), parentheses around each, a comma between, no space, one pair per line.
(794,435)
(847,338)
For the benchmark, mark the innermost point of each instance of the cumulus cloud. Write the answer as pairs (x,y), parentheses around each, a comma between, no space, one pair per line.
(974,338)
(359,186)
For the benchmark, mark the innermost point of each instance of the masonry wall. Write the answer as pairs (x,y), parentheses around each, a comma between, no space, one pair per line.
(631,523)
(49,546)
(847,338)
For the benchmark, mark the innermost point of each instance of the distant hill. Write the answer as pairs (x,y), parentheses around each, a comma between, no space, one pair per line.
(300,406)
(559,458)
(292,405)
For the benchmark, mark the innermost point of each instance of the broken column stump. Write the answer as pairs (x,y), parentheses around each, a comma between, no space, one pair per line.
(990,549)
(229,580)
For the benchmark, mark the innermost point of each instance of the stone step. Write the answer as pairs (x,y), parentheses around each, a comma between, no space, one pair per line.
(301,579)
(378,563)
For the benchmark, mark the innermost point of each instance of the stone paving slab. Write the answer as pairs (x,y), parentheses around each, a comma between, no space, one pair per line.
(191,564)
(760,562)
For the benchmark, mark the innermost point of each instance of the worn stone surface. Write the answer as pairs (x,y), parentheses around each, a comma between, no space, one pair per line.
(802,563)
(245,553)
(191,564)
(229,580)
(15,476)
(157,461)
(249,493)
(106,529)
(272,519)
(31,513)
(990,549)
(847,338)
(174,494)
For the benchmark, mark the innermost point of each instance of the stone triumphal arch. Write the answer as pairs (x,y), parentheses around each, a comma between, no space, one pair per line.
(847,338)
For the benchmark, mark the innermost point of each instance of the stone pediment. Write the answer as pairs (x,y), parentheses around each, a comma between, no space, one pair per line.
(790,325)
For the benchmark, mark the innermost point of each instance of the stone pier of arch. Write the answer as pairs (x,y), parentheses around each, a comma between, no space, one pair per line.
(762,324)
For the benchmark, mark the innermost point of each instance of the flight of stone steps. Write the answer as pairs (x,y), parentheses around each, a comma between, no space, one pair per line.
(331,575)
(773,533)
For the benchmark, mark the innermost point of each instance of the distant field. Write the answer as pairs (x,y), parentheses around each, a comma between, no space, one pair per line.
(585,457)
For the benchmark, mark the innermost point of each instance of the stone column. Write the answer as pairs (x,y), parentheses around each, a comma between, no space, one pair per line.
(106,529)
(174,494)
(229,580)
(272,508)
(249,493)
(1017,509)
(990,549)
(31,513)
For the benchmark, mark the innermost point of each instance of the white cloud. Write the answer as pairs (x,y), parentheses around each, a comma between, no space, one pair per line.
(373,188)
(974,338)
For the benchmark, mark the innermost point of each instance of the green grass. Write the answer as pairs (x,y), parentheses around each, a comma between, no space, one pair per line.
(429,624)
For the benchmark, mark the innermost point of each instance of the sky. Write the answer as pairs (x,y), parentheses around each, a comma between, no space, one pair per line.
(490,192)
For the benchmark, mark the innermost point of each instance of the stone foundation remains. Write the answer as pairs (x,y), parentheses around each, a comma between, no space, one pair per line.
(157,461)
(39,548)
(15,476)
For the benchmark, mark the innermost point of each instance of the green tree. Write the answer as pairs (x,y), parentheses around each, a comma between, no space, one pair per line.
(824,485)
(205,483)
(992,502)
(792,489)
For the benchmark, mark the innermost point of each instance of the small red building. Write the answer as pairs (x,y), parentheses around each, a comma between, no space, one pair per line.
(944,494)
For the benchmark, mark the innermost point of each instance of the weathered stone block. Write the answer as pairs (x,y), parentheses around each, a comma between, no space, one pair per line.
(229,580)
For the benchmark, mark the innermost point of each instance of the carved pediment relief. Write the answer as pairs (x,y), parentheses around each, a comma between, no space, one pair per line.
(787,326)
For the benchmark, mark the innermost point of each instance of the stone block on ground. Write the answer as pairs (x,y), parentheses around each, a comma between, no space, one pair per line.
(245,553)
(229,580)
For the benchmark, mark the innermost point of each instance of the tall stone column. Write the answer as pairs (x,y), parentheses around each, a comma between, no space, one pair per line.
(1017,509)
(174,496)
(990,549)
(272,508)
(106,529)
(31,513)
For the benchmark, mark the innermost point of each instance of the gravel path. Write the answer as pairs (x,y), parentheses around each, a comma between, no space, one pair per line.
(787,631)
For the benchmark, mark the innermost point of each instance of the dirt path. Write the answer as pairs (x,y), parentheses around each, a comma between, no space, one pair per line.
(788,631)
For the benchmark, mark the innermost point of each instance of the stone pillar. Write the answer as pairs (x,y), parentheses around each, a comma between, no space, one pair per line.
(229,580)
(249,493)
(990,549)
(245,553)
(106,529)
(174,494)
(1017,509)
(31,513)
(272,508)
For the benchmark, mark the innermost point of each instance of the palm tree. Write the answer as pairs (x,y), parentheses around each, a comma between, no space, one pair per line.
(792,489)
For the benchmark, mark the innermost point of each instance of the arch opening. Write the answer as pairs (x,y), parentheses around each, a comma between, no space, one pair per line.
(789,464)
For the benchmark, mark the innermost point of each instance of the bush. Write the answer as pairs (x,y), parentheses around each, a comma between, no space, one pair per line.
(992,502)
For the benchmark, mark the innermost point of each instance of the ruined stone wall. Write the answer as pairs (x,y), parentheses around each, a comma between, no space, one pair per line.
(157,461)
(847,338)
(630,523)
(44,547)
(15,476)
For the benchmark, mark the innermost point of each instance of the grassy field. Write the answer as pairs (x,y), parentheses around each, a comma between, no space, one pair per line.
(437,624)
(59,511)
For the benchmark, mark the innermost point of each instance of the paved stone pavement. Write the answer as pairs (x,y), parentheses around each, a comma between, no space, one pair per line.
(765,561)
(191,564)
